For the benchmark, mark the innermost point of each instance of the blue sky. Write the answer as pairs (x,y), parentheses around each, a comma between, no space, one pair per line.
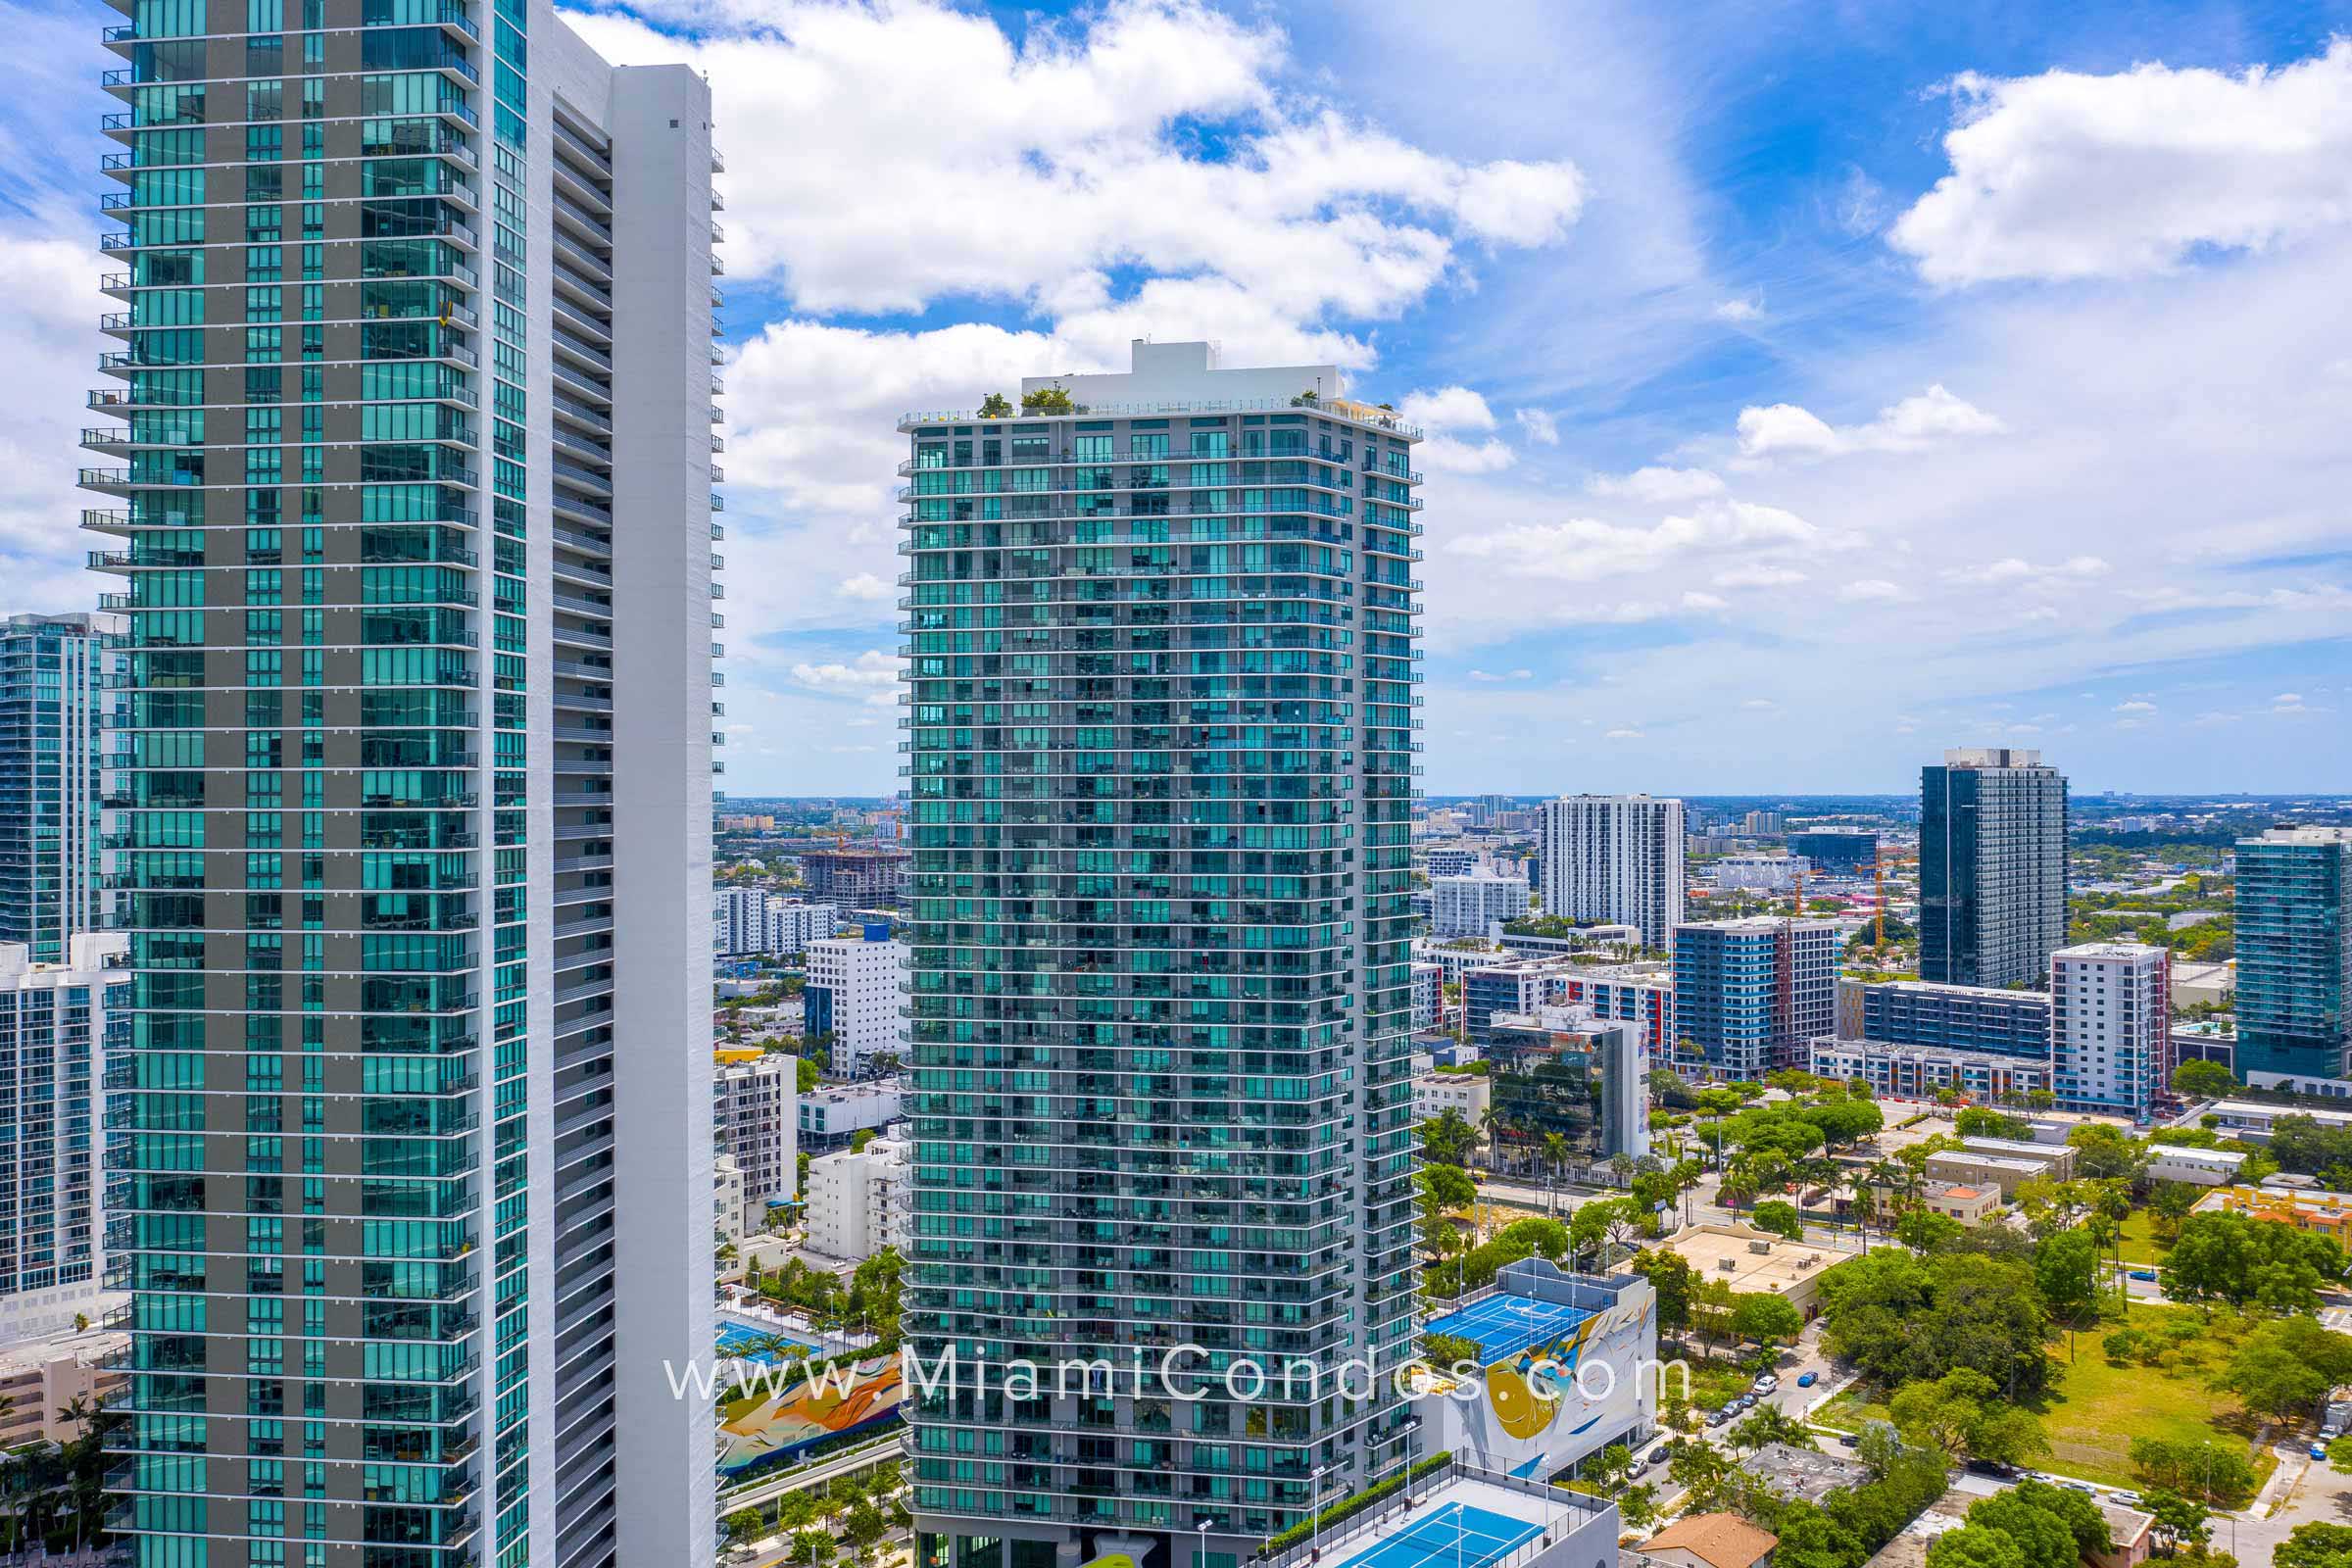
(1811,387)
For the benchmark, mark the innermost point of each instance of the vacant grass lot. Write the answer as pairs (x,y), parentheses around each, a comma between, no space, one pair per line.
(2098,1407)
(2095,1409)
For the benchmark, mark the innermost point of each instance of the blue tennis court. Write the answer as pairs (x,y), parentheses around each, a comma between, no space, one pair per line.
(1451,1536)
(1505,1324)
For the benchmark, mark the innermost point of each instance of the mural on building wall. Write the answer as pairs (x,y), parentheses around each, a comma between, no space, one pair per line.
(765,1427)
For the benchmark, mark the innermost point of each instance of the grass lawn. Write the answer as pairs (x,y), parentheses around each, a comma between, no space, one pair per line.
(2097,1409)
(2139,1245)
(1851,1411)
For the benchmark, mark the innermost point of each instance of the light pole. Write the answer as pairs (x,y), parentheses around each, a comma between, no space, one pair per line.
(1200,1556)
(1314,1514)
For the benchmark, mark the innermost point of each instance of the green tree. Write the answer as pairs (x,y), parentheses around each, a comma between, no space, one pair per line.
(2214,1472)
(1048,400)
(2315,1545)
(2224,1257)
(995,407)
(2065,1270)
(2287,1365)
(862,1525)
(1899,1317)
(813,1546)
(1981,1122)
(2108,1153)
(1675,1282)
(1963,1415)
(1769,1320)
(1447,1139)
(1976,1546)
(2180,1521)
(808,1076)
(1779,1217)
(743,1527)
(1926,1231)
(1769,1424)
(2203,1080)
(1638,1507)
(1609,1466)
(1449,1187)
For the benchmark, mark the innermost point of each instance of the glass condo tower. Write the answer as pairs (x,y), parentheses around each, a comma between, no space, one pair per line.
(1160,757)
(408,1148)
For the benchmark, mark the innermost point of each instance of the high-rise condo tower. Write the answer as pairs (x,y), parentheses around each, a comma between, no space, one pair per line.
(410,1149)
(1161,743)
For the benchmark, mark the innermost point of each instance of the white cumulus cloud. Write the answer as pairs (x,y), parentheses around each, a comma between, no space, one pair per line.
(2069,176)
(1783,429)
(1657,486)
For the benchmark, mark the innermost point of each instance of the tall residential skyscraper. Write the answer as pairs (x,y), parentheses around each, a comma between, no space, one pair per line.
(1162,745)
(1750,996)
(2294,956)
(1615,858)
(53,671)
(1991,867)
(411,1170)
(58,1023)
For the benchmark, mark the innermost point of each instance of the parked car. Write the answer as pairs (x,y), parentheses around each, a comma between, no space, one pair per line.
(1805,1380)
(2145,1275)
(1767,1383)
(1992,1467)
(1851,1440)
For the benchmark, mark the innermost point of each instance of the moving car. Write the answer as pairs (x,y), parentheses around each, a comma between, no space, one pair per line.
(1805,1380)
(2146,1275)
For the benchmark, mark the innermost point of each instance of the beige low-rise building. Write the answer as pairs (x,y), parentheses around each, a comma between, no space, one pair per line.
(2059,1156)
(1756,1263)
(2005,1173)
(1970,1205)
(38,1377)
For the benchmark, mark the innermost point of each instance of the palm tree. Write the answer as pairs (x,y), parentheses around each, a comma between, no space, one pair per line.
(1555,1161)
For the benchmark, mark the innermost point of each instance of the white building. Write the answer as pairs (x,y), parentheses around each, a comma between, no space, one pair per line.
(54,1022)
(760,920)
(1760,873)
(854,991)
(832,1113)
(1474,905)
(756,1104)
(1615,858)
(860,1200)
(2205,1167)
(1457,956)
(1450,860)
(733,1221)
(1436,1093)
(2110,1025)
(793,925)
(1429,995)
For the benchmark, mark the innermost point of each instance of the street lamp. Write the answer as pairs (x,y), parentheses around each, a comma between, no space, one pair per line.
(1200,1558)
(1315,1513)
